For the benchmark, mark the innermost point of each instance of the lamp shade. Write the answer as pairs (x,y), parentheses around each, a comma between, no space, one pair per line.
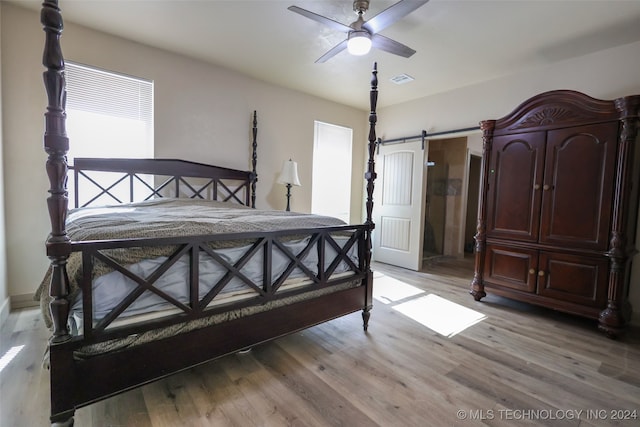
(289,173)
(359,42)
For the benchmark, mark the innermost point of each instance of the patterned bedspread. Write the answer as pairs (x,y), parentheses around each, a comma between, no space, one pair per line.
(166,218)
(180,217)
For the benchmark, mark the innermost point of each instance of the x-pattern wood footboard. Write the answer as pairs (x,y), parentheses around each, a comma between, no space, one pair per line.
(258,291)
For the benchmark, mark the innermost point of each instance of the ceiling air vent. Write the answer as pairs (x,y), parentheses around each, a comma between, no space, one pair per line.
(402,79)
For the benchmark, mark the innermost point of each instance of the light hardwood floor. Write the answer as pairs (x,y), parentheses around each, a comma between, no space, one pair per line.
(518,366)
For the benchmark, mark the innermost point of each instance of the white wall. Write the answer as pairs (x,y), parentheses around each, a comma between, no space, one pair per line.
(202,113)
(4,292)
(607,74)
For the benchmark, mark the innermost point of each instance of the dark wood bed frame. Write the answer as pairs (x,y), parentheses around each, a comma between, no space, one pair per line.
(76,383)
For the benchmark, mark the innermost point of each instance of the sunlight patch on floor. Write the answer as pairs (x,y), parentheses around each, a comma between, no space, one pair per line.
(388,290)
(445,317)
(9,355)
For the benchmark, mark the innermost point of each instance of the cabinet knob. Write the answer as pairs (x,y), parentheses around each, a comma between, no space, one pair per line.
(540,273)
(536,186)
(532,271)
(546,187)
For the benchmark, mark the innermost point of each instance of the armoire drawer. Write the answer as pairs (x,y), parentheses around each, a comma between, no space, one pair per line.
(577,279)
(567,277)
(511,267)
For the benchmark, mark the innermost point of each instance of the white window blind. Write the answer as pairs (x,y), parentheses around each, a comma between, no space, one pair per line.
(109,115)
(103,92)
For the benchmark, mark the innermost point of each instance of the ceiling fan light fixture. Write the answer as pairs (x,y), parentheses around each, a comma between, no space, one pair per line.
(359,43)
(361,33)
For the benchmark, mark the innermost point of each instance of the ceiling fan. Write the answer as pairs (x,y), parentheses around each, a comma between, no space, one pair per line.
(362,35)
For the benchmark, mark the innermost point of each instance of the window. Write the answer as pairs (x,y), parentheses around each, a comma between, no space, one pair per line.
(108,115)
(331,186)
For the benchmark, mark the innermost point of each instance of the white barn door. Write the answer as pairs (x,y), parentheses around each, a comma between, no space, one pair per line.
(398,205)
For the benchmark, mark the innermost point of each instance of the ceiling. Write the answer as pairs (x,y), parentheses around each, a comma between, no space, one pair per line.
(458,42)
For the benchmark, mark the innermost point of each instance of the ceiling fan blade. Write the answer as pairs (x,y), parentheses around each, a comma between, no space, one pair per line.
(392,14)
(322,19)
(333,51)
(384,43)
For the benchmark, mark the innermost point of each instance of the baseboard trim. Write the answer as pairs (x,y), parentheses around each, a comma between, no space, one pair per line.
(23,301)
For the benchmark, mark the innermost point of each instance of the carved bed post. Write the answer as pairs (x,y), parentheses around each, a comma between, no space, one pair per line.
(370,175)
(477,288)
(56,144)
(254,158)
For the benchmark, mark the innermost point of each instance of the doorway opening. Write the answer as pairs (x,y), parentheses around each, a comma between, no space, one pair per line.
(451,202)
(427,192)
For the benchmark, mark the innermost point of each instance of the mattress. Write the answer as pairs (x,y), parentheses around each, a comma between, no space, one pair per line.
(111,288)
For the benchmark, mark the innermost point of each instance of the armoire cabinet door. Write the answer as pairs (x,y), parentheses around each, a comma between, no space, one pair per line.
(577,279)
(514,182)
(578,186)
(510,267)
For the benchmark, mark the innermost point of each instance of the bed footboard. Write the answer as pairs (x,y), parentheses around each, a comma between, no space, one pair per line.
(77,383)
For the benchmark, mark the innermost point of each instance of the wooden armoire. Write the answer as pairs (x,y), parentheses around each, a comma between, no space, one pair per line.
(558,205)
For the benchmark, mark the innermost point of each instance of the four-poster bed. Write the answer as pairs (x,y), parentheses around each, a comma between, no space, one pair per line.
(234,277)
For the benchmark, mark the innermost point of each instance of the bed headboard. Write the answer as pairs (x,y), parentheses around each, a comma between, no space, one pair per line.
(129,180)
